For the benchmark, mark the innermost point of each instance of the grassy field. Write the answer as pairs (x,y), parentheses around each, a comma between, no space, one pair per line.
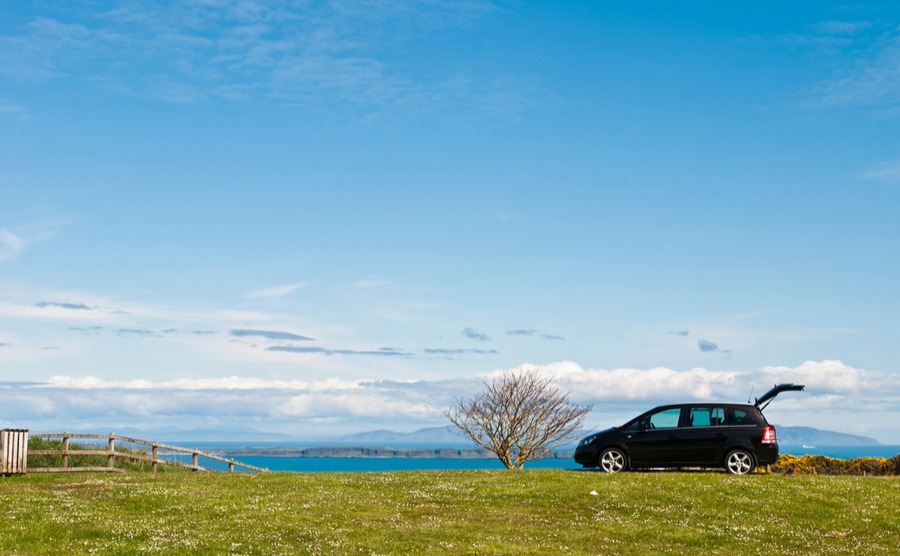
(448,512)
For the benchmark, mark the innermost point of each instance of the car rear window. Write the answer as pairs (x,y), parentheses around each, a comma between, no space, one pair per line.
(738,417)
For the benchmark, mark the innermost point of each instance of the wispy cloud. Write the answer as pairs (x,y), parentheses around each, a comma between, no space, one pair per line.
(268,334)
(834,390)
(380,352)
(503,216)
(437,351)
(872,81)
(86,329)
(889,172)
(58,310)
(139,332)
(14,110)
(535,333)
(63,305)
(277,291)
(371,282)
(473,334)
(710,347)
(11,245)
(331,56)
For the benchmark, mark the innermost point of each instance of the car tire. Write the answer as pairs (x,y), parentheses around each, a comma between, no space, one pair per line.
(612,460)
(739,462)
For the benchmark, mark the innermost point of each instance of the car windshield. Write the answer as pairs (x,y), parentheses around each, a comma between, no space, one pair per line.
(660,419)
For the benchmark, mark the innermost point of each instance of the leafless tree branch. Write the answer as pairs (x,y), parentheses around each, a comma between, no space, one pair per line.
(518,416)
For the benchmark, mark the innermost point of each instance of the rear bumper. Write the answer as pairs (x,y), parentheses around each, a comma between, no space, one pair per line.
(766,454)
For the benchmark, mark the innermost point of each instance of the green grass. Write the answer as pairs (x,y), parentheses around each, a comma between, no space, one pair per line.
(542,511)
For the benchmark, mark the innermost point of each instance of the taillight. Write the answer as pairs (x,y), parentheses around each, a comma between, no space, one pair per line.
(769,435)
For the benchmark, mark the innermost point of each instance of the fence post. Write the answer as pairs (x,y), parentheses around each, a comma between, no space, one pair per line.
(155,455)
(231,466)
(13,451)
(195,460)
(111,454)
(65,450)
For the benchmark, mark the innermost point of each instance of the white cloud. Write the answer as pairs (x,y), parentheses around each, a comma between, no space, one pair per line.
(18,112)
(324,56)
(872,81)
(837,397)
(822,378)
(223,383)
(57,310)
(277,291)
(358,404)
(371,282)
(649,385)
(837,378)
(841,27)
(888,173)
(11,246)
(510,216)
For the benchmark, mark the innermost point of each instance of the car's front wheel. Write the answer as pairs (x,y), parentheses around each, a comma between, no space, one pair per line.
(613,460)
(739,462)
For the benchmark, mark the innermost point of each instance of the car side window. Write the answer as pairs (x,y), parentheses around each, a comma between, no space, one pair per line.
(737,417)
(706,416)
(698,416)
(665,419)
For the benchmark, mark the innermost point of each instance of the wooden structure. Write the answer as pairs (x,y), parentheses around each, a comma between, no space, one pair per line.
(13,451)
(150,453)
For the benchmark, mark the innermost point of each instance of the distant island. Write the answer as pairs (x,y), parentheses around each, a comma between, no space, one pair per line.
(450,437)
(809,436)
(363,452)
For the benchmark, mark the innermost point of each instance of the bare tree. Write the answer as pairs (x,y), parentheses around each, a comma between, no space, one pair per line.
(519,416)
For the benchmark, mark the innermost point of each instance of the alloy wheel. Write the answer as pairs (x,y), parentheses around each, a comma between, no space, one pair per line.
(612,461)
(739,462)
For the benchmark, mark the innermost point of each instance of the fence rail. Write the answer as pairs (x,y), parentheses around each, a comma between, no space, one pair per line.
(150,454)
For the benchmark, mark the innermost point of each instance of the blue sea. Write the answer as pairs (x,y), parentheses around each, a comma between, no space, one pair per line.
(297,464)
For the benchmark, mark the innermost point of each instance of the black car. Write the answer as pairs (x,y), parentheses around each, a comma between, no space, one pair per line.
(735,436)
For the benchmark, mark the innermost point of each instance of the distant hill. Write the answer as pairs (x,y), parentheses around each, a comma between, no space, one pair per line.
(363,452)
(444,436)
(449,437)
(815,437)
(438,437)
(186,436)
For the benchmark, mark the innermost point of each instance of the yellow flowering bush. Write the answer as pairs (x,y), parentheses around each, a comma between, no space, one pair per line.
(823,465)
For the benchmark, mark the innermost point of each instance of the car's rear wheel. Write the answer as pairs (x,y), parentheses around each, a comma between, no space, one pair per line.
(739,462)
(613,460)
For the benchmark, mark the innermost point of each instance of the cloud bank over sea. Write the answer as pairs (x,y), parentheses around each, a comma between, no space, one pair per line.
(323,409)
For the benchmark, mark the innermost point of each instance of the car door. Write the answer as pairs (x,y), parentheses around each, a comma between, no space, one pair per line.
(702,440)
(653,443)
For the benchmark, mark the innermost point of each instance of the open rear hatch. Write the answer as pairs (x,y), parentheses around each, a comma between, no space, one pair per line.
(765,399)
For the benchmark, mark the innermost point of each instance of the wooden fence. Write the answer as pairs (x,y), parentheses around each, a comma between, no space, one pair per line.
(151,453)
(13,451)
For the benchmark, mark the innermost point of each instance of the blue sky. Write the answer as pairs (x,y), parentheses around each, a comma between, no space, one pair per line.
(313,217)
